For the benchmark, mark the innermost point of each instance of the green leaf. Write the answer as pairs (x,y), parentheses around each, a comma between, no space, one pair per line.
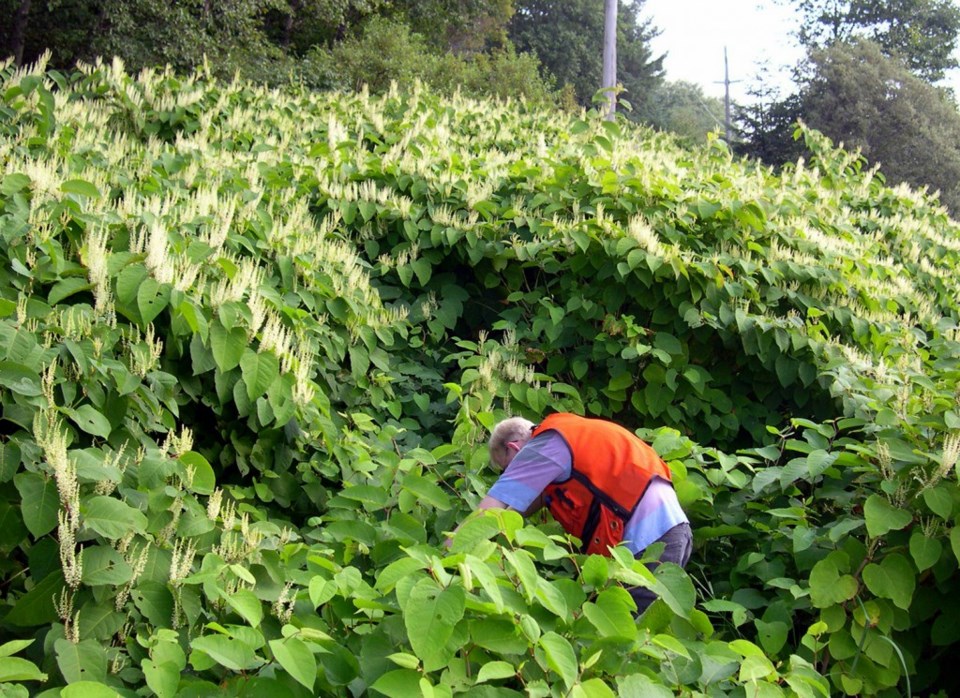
(399,683)
(595,571)
(152,298)
(82,661)
(19,379)
(112,518)
(492,671)
(924,551)
(592,688)
(827,586)
(939,500)
(88,689)
(321,590)
(882,516)
(259,370)
(14,182)
(81,187)
(430,615)
(247,606)
(100,621)
(204,480)
(104,565)
(772,635)
(17,669)
(162,678)
(560,657)
(894,578)
(66,288)
(227,345)
(407,661)
(154,601)
(8,649)
(9,460)
(427,491)
(675,588)
(36,606)
(230,652)
(40,502)
(90,420)
(611,615)
(476,529)
(129,281)
(297,659)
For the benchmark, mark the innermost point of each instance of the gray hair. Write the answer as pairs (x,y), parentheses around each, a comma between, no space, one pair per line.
(511,429)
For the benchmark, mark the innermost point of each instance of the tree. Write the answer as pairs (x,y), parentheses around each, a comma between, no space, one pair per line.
(565,34)
(461,26)
(765,125)
(865,100)
(683,109)
(922,33)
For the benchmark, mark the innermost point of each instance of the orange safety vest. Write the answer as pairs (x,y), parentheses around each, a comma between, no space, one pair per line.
(611,471)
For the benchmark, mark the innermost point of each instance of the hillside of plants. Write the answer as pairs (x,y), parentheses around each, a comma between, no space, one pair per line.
(252,343)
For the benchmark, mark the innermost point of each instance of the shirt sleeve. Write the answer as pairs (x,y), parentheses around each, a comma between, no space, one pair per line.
(544,459)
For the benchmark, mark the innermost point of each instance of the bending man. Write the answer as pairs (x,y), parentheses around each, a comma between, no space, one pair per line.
(602,483)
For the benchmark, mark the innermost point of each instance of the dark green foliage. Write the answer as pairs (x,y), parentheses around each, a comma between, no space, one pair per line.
(907,127)
(920,33)
(252,342)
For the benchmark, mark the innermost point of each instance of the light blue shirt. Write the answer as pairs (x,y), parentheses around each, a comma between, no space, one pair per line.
(546,459)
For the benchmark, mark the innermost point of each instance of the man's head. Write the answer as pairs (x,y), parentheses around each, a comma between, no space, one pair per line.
(507,438)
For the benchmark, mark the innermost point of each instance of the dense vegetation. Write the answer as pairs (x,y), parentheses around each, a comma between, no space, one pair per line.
(251,342)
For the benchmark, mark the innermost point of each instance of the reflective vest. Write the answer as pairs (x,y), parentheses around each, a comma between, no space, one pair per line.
(611,471)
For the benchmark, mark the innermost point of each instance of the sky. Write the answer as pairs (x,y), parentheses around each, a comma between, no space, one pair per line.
(754,32)
(694,33)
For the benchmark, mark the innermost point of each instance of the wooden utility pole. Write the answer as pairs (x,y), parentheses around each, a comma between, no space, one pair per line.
(727,129)
(610,56)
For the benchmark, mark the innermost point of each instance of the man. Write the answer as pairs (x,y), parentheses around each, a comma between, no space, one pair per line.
(601,483)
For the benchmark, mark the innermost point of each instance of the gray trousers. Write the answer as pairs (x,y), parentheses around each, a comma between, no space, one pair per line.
(679,544)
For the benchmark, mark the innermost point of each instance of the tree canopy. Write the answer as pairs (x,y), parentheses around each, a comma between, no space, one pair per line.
(566,35)
(899,122)
(922,33)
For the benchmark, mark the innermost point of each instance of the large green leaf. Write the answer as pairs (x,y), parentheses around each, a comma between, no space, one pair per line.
(111,518)
(163,678)
(36,606)
(81,661)
(90,420)
(227,345)
(19,379)
(894,578)
(104,565)
(828,586)
(611,615)
(152,298)
(230,652)
(883,517)
(399,683)
(40,502)
(297,659)
(560,657)
(17,669)
(259,370)
(430,615)
(247,605)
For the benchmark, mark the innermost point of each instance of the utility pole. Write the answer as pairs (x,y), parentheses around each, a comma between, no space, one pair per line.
(610,56)
(726,96)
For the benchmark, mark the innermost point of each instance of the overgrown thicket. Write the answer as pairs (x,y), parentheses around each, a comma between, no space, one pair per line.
(251,342)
